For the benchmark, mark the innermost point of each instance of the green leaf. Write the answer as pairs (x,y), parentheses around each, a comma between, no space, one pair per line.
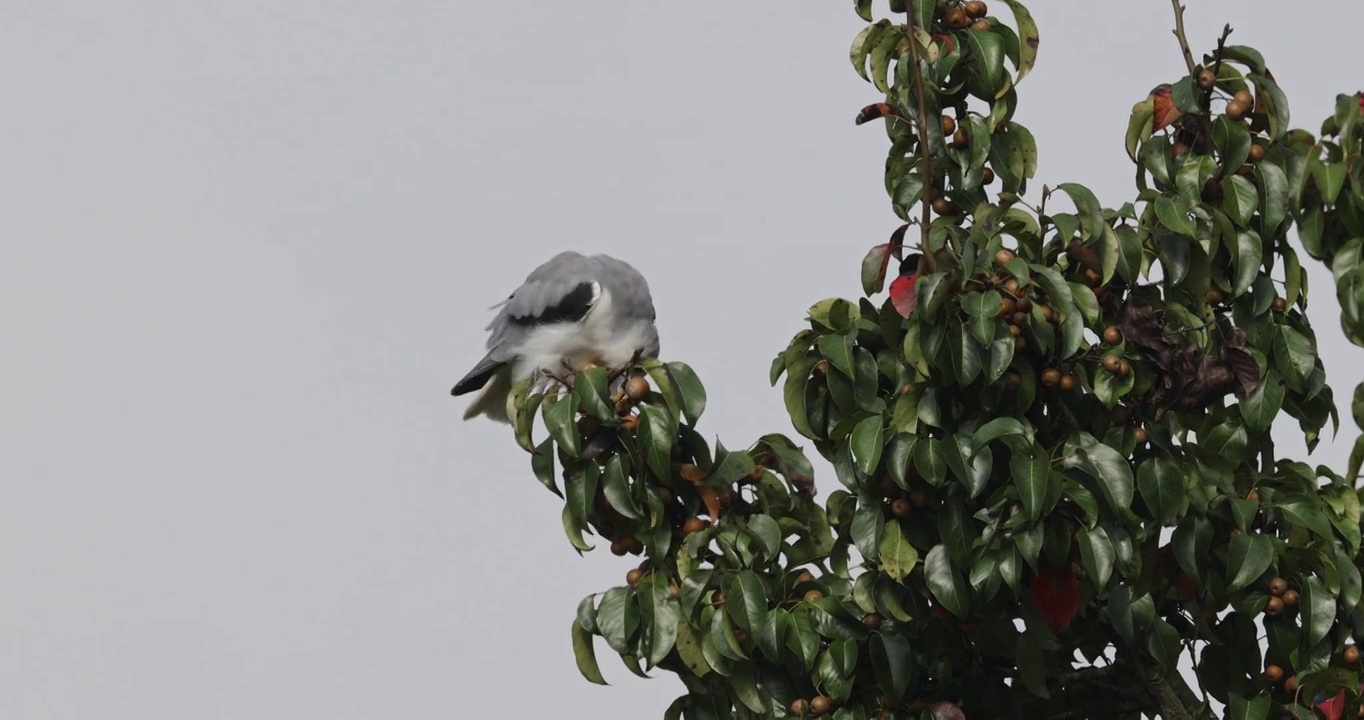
(965,354)
(874,269)
(659,615)
(585,655)
(892,661)
(1032,665)
(794,394)
(1246,259)
(592,391)
(945,582)
(1162,487)
(987,63)
(562,426)
(1274,201)
(542,464)
(1174,217)
(1005,428)
(1001,356)
(1028,39)
(1248,557)
(801,638)
(1097,554)
(689,387)
(1087,205)
(1055,285)
(1240,200)
(746,600)
(838,349)
(573,530)
(1305,510)
(1294,352)
(868,441)
(1105,465)
(863,8)
(616,487)
(864,42)
(1232,140)
(1030,475)
(1318,610)
(618,619)
(898,557)
(930,460)
(1261,407)
(1257,708)
(983,309)
(657,433)
(582,492)
(744,681)
(1085,301)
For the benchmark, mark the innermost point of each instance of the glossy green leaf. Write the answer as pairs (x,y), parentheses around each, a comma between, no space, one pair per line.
(892,661)
(868,441)
(897,556)
(1248,557)
(585,655)
(1030,476)
(689,387)
(1161,486)
(946,582)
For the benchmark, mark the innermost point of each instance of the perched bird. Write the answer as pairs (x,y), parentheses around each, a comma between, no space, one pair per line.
(573,311)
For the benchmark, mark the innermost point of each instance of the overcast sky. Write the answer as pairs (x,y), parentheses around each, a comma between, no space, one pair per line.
(248,247)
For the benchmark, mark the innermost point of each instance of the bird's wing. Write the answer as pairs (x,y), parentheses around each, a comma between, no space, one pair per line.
(632,303)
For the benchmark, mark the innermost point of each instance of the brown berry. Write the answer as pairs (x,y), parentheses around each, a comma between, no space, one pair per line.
(1051,377)
(1024,304)
(981,25)
(1255,495)
(1124,369)
(1273,673)
(1112,335)
(813,595)
(820,705)
(1280,304)
(1012,380)
(1111,363)
(1020,344)
(1290,598)
(1093,278)
(949,125)
(634,545)
(717,599)
(888,487)
(1003,256)
(900,507)
(629,423)
(1068,382)
(800,707)
(1018,320)
(1014,329)
(1206,79)
(1140,436)
(918,498)
(694,525)
(1350,655)
(957,19)
(754,475)
(1120,415)
(1236,109)
(1244,97)
(1212,190)
(637,388)
(1278,586)
(1007,307)
(1011,286)
(1257,153)
(975,9)
(804,577)
(820,370)
(1273,606)
(1180,148)
(1291,684)
(959,138)
(987,176)
(618,548)
(942,206)
(872,621)
(1214,296)
(633,577)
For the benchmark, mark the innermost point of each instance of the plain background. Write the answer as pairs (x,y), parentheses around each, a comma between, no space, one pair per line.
(248,247)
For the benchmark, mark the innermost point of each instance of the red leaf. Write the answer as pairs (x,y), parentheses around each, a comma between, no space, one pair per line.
(1165,110)
(1333,707)
(874,268)
(1361,102)
(902,294)
(1056,591)
(873,111)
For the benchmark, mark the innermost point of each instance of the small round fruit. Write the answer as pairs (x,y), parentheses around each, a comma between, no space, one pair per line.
(960,138)
(821,369)
(1206,79)
(1112,335)
(1273,673)
(754,475)
(942,206)
(1278,586)
(1273,606)
(1068,382)
(1124,369)
(918,498)
(1214,296)
(1020,344)
(633,577)
(1254,495)
(629,423)
(694,525)
(1257,153)
(1236,109)
(987,176)
(1351,654)
(820,705)
(1212,190)
(1011,286)
(949,125)
(618,548)
(805,577)
(1018,320)
(1140,436)
(634,545)
(717,599)
(1051,377)
(1280,304)
(1003,256)
(1290,598)
(1120,415)
(1245,98)
(900,507)
(1112,363)
(1093,278)
(1007,307)
(888,487)
(800,707)
(1012,380)
(1014,328)
(957,19)
(813,595)
(637,388)
(1180,148)
(1291,684)
(1024,304)
(871,621)
(975,9)
(981,25)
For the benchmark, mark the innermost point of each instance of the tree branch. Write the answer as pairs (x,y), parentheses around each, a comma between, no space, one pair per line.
(925,153)
(1183,39)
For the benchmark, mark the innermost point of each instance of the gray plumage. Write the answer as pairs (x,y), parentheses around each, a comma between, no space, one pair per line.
(571,311)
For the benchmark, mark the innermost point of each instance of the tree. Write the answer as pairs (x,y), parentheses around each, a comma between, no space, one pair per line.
(1052,437)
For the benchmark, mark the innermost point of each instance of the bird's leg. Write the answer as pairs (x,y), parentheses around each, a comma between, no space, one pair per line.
(631,365)
(563,379)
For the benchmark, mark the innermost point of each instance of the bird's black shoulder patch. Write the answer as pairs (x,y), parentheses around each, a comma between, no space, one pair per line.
(571,308)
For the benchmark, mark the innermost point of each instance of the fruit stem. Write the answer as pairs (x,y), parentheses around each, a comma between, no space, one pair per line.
(924,151)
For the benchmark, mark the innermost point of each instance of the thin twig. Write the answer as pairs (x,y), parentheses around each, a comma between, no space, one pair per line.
(925,152)
(1183,39)
(1206,101)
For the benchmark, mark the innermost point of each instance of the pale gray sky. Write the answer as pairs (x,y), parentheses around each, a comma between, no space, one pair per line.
(248,247)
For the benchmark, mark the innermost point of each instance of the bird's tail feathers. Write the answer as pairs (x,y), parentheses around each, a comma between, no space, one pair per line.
(492,402)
